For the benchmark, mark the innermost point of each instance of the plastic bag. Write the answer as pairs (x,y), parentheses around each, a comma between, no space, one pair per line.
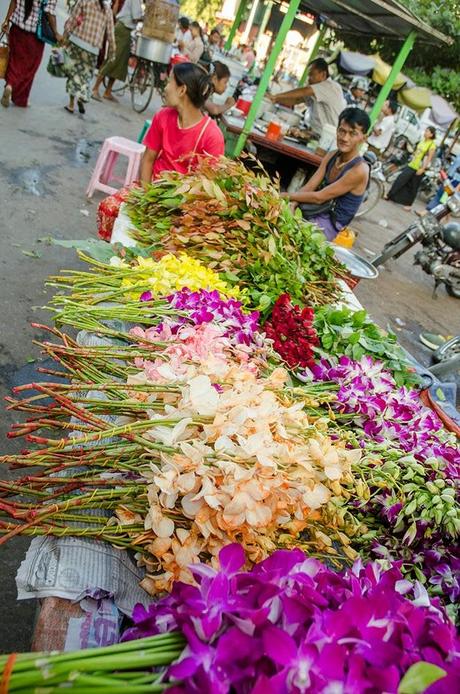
(59,63)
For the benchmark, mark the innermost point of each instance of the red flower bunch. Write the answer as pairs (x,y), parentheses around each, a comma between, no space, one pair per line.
(291,329)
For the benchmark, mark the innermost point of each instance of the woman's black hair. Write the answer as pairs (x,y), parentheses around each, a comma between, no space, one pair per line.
(221,70)
(196,80)
(355,116)
(432,130)
(184,22)
(196,25)
(28,4)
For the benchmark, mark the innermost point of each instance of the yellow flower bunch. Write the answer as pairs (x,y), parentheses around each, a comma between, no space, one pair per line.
(173,273)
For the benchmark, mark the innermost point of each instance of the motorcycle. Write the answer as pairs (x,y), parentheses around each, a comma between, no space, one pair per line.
(440,253)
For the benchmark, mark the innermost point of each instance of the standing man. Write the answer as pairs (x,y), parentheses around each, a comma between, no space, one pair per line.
(381,135)
(117,69)
(183,33)
(357,93)
(324,96)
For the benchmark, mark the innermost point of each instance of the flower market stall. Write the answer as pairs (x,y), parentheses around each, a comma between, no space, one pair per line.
(250,449)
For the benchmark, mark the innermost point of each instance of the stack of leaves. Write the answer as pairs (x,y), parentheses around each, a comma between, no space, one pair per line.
(235,221)
(293,625)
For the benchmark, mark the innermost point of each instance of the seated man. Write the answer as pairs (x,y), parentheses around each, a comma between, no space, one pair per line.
(323,95)
(334,193)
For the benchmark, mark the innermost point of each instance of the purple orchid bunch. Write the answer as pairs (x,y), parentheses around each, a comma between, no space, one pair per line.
(207,306)
(387,413)
(291,624)
(433,563)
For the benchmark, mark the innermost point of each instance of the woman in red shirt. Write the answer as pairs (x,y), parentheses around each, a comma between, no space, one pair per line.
(180,131)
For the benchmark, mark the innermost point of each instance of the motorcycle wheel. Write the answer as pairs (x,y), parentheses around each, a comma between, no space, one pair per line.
(448,350)
(373,195)
(453,291)
(393,249)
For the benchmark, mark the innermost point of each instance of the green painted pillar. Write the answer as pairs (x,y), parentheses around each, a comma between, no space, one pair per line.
(265,18)
(250,22)
(266,75)
(395,70)
(313,54)
(236,23)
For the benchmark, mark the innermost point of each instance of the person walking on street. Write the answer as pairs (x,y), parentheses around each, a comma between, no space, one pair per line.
(26,49)
(84,33)
(404,189)
(117,69)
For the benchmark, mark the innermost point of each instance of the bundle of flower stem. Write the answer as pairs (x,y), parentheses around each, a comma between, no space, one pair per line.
(134,666)
(123,426)
(235,221)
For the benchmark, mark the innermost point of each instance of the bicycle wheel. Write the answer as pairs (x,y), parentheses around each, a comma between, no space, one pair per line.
(141,85)
(160,79)
(118,86)
(373,194)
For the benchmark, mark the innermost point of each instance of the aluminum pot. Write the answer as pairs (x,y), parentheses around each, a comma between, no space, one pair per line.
(153,49)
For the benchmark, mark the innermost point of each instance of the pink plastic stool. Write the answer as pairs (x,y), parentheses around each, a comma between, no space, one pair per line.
(106,161)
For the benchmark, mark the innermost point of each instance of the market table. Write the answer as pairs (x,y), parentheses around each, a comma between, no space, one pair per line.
(298,151)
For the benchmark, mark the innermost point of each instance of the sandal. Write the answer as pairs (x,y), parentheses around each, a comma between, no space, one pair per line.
(69,110)
(81,107)
(96,96)
(111,97)
(6,98)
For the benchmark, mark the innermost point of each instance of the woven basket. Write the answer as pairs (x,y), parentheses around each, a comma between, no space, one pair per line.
(4,53)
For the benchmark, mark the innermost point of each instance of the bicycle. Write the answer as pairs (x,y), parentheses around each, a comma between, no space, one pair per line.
(143,78)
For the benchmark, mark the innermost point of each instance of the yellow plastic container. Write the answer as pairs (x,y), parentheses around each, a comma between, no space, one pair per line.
(346,237)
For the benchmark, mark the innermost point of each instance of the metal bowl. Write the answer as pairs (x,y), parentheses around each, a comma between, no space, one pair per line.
(153,49)
(356,265)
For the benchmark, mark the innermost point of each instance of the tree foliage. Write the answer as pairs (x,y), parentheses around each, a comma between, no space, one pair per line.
(203,11)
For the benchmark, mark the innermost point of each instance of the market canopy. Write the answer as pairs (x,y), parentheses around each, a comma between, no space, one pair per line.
(382,71)
(442,112)
(355,63)
(382,18)
(421,98)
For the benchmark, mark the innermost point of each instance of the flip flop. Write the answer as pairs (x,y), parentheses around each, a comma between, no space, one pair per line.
(111,98)
(81,107)
(69,110)
(6,98)
(96,97)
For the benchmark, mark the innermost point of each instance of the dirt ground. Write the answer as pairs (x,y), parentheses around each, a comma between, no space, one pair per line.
(46,160)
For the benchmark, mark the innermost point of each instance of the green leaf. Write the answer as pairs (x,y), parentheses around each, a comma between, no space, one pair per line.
(357,352)
(272,245)
(419,677)
(97,249)
(440,394)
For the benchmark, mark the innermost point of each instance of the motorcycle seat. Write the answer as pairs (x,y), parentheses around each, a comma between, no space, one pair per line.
(370,157)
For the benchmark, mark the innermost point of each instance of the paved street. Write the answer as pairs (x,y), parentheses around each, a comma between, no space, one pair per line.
(46,160)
